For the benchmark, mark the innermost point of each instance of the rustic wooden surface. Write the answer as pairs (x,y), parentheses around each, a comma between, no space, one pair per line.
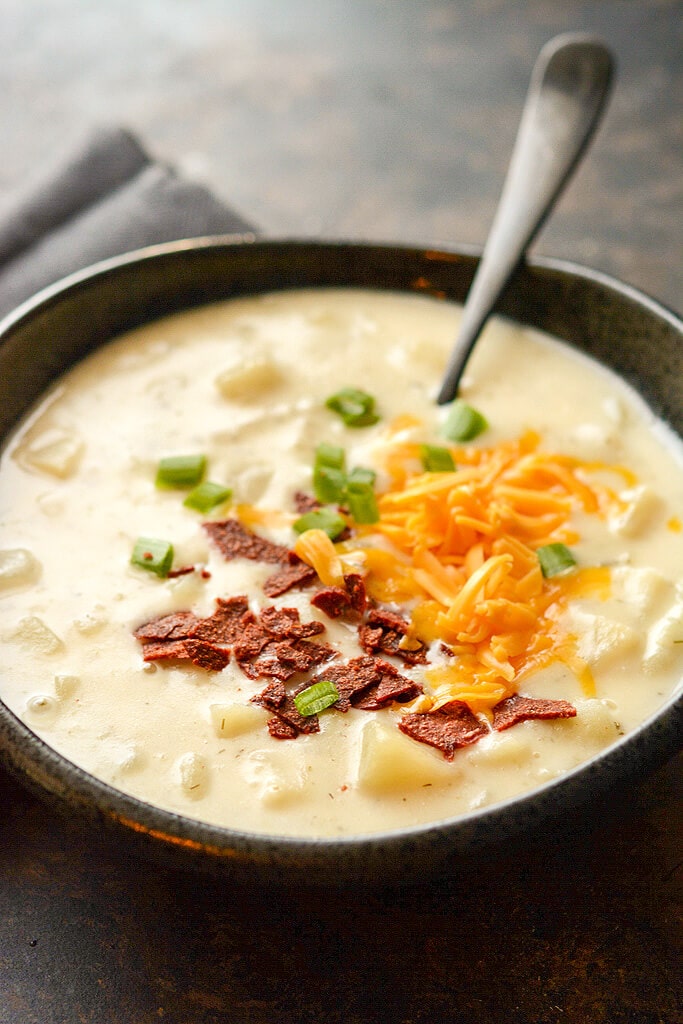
(389,121)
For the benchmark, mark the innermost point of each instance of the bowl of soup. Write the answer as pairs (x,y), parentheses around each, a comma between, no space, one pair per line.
(265,606)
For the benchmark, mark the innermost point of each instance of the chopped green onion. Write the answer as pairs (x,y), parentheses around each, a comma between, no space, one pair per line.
(329,485)
(555,559)
(180,471)
(362,475)
(330,456)
(362,502)
(463,423)
(321,519)
(207,496)
(356,408)
(316,698)
(153,555)
(436,459)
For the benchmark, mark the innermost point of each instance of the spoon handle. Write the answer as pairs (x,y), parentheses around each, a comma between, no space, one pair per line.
(569,87)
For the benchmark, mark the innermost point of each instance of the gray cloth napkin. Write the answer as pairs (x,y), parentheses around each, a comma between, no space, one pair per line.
(106,198)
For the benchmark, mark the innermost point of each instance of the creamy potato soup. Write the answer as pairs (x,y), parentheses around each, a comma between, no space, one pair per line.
(479,597)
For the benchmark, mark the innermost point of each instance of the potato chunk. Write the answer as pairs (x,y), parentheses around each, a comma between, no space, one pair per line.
(51,450)
(601,640)
(392,763)
(236,719)
(18,568)
(246,382)
(662,637)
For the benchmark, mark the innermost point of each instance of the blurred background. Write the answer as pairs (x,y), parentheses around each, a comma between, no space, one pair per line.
(389,120)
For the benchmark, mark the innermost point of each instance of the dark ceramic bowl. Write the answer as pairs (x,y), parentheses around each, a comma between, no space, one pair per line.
(619,326)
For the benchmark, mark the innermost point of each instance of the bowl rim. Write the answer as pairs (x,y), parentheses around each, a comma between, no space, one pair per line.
(47,771)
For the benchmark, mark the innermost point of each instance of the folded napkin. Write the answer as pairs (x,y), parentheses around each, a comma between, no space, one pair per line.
(106,198)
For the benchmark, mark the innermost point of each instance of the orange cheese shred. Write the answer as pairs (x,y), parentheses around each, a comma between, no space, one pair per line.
(458,550)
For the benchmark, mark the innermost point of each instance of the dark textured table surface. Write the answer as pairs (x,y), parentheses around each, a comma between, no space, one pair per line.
(388,121)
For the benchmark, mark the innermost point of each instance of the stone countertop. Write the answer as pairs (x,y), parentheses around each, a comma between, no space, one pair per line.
(388,121)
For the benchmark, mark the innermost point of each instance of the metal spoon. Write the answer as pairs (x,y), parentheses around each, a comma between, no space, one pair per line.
(569,87)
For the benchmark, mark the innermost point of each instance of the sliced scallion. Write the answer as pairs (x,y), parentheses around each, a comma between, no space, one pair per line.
(330,455)
(326,519)
(180,471)
(436,459)
(153,554)
(316,698)
(356,407)
(362,475)
(207,496)
(329,484)
(555,559)
(362,502)
(463,423)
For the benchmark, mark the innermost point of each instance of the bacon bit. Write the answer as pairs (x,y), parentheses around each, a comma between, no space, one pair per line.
(447,729)
(296,575)
(333,601)
(204,655)
(284,623)
(338,601)
(172,573)
(369,683)
(282,659)
(251,642)
(207,656)
(176,626)
(385,631)
(281,730)
(234,541)
(226,624)
(304,503)
(288,723)
(519,709)
(391,686)
(173,650)
(274,645)
(355,587)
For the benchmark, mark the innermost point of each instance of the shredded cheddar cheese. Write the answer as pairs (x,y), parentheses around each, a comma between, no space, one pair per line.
(457,550)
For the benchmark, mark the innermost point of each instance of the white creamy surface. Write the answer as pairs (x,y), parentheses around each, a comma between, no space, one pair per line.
(245,382)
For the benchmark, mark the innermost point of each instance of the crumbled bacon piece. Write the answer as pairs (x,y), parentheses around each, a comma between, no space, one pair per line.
(207,656)
(355,587)
(234,541)
(304,503)
(279,729)
(385,631)
(274,645)
(251,642)
(518,708)
(283,659)
(447,729)
(338,601)
(226,624)
(285,623)
(294,575)
(333,601)
(288,721)
(175,626)
(204,655)
(369,683)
